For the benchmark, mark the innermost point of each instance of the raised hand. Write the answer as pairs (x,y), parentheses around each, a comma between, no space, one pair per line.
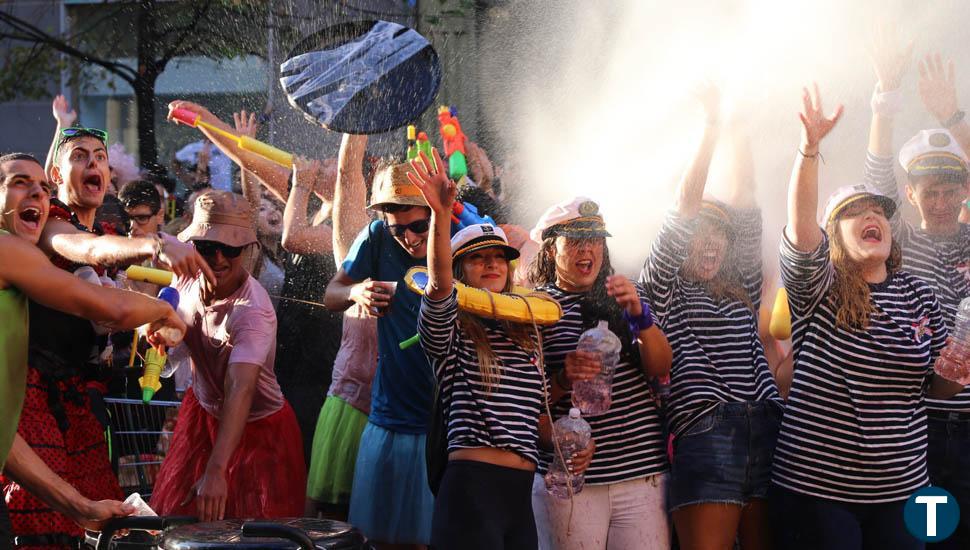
(937,87)
(63,114)
(815,125)
(625,294)
(708,94)
(438,190)
(889,60)
(245,123)
(305,172)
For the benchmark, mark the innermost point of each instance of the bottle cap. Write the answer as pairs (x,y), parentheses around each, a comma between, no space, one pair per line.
(604,325)
(574,413)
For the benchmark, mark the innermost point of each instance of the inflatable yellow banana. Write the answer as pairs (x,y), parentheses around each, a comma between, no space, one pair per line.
(780,325)
(522,305)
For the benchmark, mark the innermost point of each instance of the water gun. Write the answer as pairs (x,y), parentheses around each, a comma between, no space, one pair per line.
(150,275)
(424,146)
(454,140)
(246,143)
(155,357)
(780,324)
(464,214)
(412,146)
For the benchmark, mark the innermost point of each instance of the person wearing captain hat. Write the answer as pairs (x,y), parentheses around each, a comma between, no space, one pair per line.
(491,383)
(236,434)
(937,249)
(390,499)
(863,329)
(627,455)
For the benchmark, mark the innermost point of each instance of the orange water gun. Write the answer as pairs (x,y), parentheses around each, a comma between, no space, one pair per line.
(454,140)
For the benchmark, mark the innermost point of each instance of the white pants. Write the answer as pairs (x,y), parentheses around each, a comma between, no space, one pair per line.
(630,515)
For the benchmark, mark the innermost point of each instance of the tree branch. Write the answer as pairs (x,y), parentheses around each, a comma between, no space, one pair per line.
(30,33)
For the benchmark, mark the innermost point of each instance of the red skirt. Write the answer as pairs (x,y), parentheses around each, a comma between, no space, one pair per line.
(266,474)
(79,456)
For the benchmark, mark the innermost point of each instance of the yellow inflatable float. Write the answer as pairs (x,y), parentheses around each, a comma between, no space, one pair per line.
(522,305)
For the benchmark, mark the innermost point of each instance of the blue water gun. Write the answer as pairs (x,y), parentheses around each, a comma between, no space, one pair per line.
(464,214)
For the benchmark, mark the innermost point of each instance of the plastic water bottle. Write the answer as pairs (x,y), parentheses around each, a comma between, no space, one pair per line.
(572,434)
(594,396)
(954,361)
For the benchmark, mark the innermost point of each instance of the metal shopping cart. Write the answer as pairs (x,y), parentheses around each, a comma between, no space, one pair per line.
(139,436)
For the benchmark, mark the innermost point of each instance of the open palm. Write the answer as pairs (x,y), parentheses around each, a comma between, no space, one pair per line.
(438,190)
(815,125)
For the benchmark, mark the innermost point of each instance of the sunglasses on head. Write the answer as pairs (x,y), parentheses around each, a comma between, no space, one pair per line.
(209,249)
(80,132)
(417,227)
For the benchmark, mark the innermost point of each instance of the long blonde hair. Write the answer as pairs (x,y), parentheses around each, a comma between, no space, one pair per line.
(472,327)
(849,295)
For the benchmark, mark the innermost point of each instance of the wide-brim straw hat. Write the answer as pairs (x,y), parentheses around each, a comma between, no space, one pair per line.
(222,217)
(392,186)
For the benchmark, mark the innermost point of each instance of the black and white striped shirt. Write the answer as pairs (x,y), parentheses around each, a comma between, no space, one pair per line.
(505,417)
(718,357)
(943,261)
(854,428)
(629,439)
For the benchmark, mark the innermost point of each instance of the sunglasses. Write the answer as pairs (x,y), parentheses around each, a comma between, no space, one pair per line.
(78,132)
(209,249)
(141,219)
(417,227)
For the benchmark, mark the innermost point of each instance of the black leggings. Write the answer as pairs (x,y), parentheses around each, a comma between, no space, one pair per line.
(6,530)
(483,506)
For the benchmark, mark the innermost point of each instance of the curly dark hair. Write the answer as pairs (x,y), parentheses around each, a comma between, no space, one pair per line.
(596,304)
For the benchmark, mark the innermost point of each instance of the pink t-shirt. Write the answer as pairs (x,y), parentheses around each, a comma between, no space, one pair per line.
(238,329)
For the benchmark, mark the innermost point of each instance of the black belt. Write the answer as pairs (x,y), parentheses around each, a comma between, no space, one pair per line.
(47,540)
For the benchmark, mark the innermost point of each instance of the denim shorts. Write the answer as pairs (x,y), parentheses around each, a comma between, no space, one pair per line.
(725,457)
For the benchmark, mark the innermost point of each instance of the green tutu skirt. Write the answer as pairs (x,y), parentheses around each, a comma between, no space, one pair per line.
(335,444)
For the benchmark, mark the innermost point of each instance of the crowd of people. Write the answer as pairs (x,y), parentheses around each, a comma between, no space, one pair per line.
(299,397)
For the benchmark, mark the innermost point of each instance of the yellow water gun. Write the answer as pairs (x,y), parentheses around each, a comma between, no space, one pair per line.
(246,143)
(155,357)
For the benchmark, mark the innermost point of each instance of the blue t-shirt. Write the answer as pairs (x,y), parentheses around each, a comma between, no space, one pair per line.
(404,383)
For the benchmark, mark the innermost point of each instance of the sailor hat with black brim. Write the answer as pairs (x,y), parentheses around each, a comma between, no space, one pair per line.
(478,237)
(578,218)
(934,152)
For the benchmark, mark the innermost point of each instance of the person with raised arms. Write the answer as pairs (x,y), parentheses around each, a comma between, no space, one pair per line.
(852,444)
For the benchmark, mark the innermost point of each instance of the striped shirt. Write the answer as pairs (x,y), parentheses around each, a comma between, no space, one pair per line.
(718,357)
(629,440)
(505,417)
(854,428)
(943,261)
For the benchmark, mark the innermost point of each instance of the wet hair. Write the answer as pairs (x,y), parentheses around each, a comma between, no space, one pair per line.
(849,295)
(140,192)
(473,327)
(10,157)
(726,284)
(596,304)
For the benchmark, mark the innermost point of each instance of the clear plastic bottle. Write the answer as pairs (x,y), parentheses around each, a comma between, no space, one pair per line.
(594,396)
(572,434)
(954,361)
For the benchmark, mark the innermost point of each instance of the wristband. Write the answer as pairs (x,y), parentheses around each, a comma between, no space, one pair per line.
(641,322)
(953,120)
(886,103)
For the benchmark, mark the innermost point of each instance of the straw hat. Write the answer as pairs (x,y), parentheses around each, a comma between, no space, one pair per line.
(222,217)
(392,186)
